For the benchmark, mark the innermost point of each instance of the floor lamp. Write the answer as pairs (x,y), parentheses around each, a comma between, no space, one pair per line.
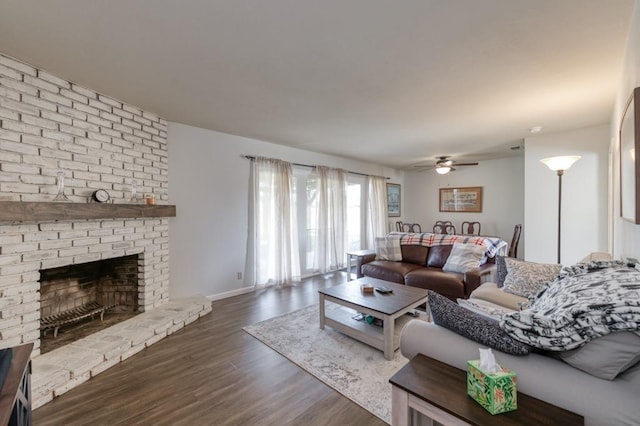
(559,165)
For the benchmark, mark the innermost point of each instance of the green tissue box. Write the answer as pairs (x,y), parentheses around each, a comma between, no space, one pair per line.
(495,392)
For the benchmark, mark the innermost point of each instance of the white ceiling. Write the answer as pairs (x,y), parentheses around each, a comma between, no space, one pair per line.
(391,82)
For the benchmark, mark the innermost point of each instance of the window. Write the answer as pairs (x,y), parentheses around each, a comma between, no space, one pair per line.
(306,201)
(355,217)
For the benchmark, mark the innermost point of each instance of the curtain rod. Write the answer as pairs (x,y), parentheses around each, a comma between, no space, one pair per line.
(252,157)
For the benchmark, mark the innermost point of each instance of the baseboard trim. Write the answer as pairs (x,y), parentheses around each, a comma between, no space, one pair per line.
(227,294)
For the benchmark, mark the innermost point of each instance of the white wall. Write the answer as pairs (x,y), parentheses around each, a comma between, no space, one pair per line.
(584,195)
(209,183)
(626,235)
(503,200)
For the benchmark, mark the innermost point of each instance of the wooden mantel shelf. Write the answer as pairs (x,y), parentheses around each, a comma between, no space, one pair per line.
(22,211)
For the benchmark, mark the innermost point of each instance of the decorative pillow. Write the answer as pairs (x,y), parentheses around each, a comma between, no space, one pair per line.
(438,255)
(414,254)
(388,248)
(607,356)
(463,257)
(501,270)
(473,326)
(526,279)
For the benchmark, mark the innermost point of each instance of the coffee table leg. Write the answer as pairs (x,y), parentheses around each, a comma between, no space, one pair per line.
(388,329)
(321,309)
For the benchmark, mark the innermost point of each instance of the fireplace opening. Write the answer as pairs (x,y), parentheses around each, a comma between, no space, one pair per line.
(79,300)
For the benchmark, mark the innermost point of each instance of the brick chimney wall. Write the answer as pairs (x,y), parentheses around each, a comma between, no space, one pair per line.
(50,125)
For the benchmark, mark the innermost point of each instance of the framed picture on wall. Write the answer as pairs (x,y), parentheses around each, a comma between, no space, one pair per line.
(393,199)
(468,199)
(629,160)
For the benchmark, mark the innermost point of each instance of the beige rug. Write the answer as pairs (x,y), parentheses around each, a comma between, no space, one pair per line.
(357,371)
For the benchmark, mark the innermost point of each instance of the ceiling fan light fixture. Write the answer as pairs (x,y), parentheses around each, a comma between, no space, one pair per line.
(443,170)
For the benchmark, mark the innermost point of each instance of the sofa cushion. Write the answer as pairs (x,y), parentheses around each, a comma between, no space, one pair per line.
(388,270)
(490,292)
(463,257)
(449,284)
(526,279)
(438,255)
(501,270)
(388,248)
(473,326)
(414,254)
(607,356)
(485,308)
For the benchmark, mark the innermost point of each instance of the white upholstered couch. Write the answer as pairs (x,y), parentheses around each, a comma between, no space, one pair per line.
(600,401)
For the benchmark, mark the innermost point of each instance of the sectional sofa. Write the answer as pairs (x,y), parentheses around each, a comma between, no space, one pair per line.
(599,380)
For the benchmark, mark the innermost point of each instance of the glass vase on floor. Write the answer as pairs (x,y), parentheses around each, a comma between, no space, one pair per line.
(60,195)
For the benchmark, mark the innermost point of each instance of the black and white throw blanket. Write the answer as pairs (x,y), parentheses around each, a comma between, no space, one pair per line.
(582,303)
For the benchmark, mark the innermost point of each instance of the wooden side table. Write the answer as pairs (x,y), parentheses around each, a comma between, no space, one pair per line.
(15,394)
(357,254)
(439,392)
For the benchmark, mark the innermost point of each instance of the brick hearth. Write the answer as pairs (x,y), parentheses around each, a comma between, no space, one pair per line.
(62,369)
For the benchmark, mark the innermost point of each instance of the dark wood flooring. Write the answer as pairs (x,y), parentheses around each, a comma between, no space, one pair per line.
(213,373)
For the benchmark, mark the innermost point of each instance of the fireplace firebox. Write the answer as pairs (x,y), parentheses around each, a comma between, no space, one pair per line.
(78,300)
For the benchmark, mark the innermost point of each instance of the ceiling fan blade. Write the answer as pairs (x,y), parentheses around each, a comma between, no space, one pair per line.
(441,163)
(422,167)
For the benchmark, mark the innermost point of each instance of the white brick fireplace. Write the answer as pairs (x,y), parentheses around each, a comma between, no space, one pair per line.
(49,125)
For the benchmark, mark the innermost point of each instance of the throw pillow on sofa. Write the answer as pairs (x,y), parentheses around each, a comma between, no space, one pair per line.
(438,255)
(607,356)
(388,248)
(414,254)
(501,271)
(475,327)
(463,257)
(526,279)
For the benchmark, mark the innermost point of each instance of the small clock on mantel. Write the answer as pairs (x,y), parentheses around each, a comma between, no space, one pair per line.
(100,196)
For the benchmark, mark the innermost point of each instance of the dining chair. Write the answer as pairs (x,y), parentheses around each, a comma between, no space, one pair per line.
(411,227)
(471,228)
(440,227)
(513,247)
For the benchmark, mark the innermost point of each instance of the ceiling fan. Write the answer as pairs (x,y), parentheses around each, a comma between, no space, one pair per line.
(445,165)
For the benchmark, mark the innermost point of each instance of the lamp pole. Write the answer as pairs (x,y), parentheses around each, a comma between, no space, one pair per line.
(560,173)
(559,165)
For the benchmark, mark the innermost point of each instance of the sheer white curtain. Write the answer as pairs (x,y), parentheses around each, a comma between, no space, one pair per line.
(275,234)
(331,220)
(376,209)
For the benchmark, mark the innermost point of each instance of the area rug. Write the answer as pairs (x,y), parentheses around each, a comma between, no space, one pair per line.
(357,371)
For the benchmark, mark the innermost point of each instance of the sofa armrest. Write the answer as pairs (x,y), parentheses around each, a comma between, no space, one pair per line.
(361,260)
(474,277)
(490,292)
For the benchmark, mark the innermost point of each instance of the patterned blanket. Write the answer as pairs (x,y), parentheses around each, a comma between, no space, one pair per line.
(493,246)
(582,303)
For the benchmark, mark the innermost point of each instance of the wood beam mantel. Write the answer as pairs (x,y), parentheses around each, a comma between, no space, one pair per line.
(19,211)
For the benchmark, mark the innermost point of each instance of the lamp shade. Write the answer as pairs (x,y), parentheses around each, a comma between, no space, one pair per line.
(560,163)
(443,170)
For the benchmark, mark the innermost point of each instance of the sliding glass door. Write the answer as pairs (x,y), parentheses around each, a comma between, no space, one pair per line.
(306,201)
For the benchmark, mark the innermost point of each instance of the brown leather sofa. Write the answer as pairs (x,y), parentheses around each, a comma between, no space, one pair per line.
(422,267)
